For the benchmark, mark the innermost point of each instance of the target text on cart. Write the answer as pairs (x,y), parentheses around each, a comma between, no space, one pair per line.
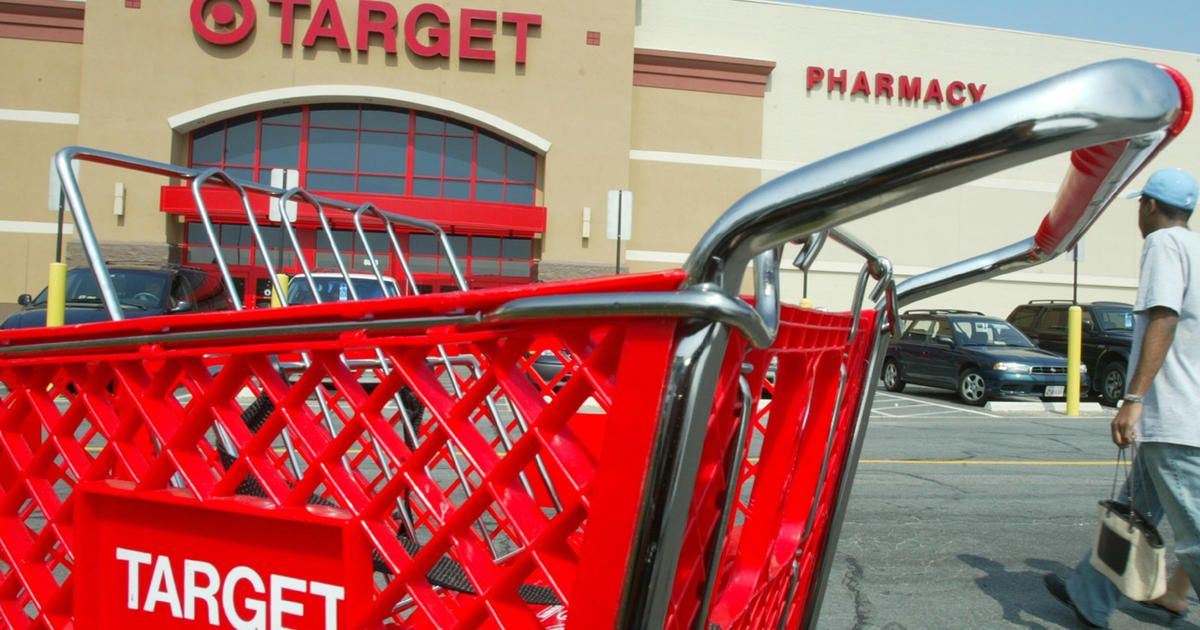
(194,589)
(161,559)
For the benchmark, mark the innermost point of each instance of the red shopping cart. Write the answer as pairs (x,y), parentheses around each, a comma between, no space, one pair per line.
(408,463)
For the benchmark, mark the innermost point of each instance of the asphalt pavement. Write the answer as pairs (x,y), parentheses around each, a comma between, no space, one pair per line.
(957,512)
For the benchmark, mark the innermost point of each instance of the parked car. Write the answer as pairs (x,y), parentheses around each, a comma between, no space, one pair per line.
(141,292)
(1105,340)
(550,367)
(977,356)
(332,287)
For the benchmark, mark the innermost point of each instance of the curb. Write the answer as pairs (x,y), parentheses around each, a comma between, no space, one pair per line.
(1085,408)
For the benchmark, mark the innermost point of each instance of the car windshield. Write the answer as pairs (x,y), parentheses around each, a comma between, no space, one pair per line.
(334,289)
(136,288)
(987,332)
(1114,318)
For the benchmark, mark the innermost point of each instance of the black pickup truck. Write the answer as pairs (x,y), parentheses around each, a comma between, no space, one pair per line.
(1107,336)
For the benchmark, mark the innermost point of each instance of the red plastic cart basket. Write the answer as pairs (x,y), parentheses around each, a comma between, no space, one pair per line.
(409,463)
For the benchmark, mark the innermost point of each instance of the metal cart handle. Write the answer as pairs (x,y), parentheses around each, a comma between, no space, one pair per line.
(1114,115)
(213,177)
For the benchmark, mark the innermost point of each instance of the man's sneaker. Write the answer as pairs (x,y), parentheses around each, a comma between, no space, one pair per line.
(1058,588)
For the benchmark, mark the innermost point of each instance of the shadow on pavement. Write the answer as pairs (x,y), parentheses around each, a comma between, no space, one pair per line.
(1021,595)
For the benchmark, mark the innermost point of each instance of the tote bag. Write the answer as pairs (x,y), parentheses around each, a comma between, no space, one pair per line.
(1129,550)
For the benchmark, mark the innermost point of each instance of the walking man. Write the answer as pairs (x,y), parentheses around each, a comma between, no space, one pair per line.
(1162,396)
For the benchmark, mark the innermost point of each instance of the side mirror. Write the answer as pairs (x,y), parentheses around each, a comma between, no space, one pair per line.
(943,340)
(24,299)
(182,306)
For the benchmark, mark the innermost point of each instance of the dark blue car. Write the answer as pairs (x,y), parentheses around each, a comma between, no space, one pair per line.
(977,356)
(142,292)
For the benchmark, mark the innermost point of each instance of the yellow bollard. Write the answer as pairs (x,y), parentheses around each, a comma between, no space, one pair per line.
(1074,338)
(56,294)
(283,286)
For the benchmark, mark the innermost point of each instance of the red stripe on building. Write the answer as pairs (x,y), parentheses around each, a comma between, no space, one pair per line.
(42,20)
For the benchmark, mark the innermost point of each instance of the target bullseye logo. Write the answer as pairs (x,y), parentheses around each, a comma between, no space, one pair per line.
(224,16)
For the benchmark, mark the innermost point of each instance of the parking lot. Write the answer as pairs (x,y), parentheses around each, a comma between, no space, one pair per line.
(957,512)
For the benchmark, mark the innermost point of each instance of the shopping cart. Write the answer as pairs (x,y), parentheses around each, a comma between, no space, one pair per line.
(233,470)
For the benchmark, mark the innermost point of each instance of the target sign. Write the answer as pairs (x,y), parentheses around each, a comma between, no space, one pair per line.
(225,16)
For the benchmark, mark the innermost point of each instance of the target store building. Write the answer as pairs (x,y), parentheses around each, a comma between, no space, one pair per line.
(512,124)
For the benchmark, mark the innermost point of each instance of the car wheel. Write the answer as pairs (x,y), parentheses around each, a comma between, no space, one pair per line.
(971,387)
(1112,383)
(891,376)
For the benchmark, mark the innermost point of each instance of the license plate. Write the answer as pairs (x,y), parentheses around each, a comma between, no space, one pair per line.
(1055,390)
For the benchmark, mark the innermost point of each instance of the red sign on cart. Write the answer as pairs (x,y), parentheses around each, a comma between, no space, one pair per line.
(162,560)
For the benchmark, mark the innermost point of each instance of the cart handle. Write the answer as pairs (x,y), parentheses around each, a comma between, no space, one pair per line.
(1114,115)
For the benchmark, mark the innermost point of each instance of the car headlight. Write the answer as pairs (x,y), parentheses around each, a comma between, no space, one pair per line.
(1016,368)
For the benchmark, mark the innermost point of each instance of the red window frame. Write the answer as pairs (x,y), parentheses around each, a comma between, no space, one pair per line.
(511,186)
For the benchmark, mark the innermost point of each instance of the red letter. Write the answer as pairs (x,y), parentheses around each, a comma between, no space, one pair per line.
(861,84)
(954,93)
(838,80)
(523,21)
(883,83)
(387,27)
(934,93)
(976,94)
(815,76)
(328,9)
(439,38)
(910,89)
(287,15)
(468,33)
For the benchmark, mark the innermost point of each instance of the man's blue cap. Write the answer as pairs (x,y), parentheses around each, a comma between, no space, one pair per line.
(1171,186)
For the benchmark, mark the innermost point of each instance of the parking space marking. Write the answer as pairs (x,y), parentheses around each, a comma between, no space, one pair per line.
(981,462)
(888,396)
(902,410)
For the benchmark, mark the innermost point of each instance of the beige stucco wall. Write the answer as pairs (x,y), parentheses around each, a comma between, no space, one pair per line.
(675,203)
(41,90)
(801,127)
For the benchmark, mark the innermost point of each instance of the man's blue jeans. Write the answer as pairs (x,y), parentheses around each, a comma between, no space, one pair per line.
(1165,481)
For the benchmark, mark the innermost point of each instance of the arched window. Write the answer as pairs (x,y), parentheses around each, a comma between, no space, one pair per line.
(371,149)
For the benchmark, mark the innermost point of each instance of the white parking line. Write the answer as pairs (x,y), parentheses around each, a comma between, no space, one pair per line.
(913,411)
(888,396)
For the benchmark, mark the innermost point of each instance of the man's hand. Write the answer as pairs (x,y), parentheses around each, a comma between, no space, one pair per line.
(1124,426)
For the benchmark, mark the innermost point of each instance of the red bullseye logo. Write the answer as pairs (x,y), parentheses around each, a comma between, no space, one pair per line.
(224,16)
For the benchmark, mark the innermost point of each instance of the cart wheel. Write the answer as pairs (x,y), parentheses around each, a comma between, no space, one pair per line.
(971,387)
(891,376)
